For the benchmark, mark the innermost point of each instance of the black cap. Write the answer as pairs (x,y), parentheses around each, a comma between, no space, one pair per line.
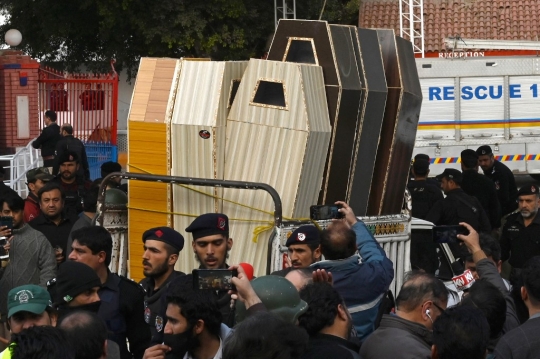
(74,278)
(422,156)
(484,150)
(209,224)
(304,235)
(528,190)
(68,156)
(166,235)
(453,174)
(110,167)
(420,165)
(468,153)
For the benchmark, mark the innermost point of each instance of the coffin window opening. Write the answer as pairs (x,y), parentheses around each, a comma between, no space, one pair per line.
(270,93)
(301,50)
(235,83)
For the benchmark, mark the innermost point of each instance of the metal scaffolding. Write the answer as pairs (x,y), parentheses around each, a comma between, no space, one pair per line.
(284,11)
(411,23)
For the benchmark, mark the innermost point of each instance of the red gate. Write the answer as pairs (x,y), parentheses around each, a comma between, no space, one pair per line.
(89,102)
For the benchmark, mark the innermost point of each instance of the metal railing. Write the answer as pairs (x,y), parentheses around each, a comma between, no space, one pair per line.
(23,160)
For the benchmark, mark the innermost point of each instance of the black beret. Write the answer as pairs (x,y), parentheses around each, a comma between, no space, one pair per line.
(484,150)
(468,153)
(451,173)
(74,278)
(527,190)
(422,156)
(421,165)
(304,235)
(209,224)
(166,235)
(68,156)
(110,167)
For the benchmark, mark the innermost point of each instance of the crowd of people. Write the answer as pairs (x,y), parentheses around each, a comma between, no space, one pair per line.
(58,298)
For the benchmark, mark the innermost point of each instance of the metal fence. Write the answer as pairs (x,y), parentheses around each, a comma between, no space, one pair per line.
(88,102)
(97,154)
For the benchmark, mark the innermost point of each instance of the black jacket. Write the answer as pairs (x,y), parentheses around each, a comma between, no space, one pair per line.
(56,234)
(481,187)
(520,243)
(459,207)
(424,195)
(47,140)
(505,184)
(70,143)
(324,346)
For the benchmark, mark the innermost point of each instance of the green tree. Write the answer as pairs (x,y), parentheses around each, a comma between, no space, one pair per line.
(94,31)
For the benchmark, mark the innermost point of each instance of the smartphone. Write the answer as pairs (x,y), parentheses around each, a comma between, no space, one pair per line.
(325,212)
(216,279)
(6,221)
(448,234)
(3,253)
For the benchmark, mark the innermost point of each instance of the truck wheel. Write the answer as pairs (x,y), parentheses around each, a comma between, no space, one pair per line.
(536,176)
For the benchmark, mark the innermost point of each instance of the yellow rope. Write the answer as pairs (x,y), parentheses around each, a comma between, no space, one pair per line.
(256,232)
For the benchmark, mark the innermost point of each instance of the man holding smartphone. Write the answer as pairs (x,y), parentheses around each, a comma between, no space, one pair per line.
(31,256)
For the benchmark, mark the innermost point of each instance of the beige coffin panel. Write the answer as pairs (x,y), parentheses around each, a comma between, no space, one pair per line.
(198,140)
(284,148)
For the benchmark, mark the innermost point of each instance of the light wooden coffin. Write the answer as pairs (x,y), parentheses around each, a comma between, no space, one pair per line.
(204,95)
(278,132)
(372,105)
(148,152)
(332,48)
(399,125)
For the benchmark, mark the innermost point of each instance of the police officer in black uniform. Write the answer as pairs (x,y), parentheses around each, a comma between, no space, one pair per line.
(457,206)
(74,186)
(481,187)
(424,194)
(122,300)
(162,245)
(520,237)
(70,143)
(502,176)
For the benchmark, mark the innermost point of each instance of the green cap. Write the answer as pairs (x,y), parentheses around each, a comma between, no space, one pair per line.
(28,298)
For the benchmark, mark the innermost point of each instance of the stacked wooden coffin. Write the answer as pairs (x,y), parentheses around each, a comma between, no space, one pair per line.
(204,95)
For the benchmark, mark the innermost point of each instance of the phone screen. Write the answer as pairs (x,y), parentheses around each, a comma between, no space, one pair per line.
(448,234)
(325,212)
(216,279)
(6,221)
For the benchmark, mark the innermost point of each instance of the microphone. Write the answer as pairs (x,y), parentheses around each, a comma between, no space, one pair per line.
(248,268)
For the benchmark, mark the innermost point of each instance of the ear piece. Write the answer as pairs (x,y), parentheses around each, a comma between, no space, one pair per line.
(428,312)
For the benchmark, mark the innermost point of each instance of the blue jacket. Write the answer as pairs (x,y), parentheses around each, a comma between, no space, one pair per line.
(362,279)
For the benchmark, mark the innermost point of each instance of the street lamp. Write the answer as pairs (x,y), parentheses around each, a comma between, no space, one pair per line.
(13,37)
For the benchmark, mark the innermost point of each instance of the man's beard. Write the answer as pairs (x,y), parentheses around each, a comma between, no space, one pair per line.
(68,175)
(156,271)
(529,214)
(182,343)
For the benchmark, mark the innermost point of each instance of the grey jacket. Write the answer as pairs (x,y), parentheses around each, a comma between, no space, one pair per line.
(31,261)
(398,338)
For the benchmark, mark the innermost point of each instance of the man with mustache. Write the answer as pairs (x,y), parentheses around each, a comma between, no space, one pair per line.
(162,245)
(303,249)
(75,187)
(520,237)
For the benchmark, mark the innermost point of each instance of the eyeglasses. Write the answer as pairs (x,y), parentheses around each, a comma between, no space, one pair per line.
(438,307)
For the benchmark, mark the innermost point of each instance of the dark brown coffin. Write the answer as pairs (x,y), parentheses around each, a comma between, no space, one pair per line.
(399,125)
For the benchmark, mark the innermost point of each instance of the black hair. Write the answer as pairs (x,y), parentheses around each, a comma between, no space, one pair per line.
(14,202)
(530,275)
(338,241)
(490,246)
(51,186)
(170,249)
(486,297)
(265,336)
(86,332)
(323,301)
(461,332)
(96,238)
(68,128)
(418,287)
(469,162)
(51,115)
(90,200)
(196,304)
(41,342)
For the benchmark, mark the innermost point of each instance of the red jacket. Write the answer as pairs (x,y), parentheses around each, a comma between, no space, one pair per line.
(31,207)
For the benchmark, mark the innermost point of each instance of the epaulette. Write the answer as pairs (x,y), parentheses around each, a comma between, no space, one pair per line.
(132,283)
